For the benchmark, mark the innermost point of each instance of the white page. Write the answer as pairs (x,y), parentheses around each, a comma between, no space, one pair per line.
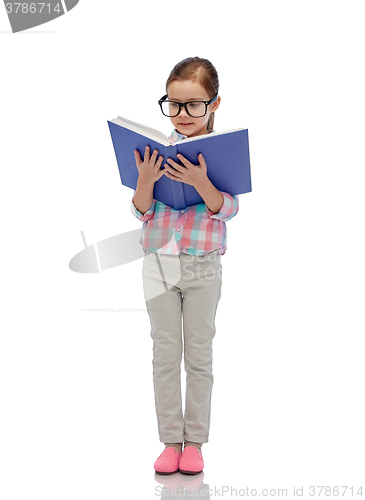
(159,136)
(142,129)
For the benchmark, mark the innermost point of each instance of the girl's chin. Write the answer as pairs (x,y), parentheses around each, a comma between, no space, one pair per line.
(190,130)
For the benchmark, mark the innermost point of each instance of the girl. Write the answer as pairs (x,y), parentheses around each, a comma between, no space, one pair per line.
(192,242)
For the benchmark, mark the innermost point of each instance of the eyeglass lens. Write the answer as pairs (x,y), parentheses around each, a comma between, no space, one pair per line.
(195,109)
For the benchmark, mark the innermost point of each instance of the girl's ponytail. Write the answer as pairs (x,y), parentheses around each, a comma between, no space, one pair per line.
(210,123)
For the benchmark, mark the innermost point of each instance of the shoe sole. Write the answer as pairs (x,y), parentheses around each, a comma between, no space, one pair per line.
(190,472)
(166,473)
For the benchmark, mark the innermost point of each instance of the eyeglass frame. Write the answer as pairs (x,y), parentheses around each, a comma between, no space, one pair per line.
(184,105)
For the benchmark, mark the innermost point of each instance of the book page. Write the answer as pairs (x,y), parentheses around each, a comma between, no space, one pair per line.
(143,130)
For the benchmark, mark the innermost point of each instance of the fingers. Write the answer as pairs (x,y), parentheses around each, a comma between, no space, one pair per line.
(159,161)
(150,166)
(138,158)
(172,171)
(183,160)
(170,175)
(174,165)
(161,173)
(154,157)
(146,157)
(150,158)
(201,159)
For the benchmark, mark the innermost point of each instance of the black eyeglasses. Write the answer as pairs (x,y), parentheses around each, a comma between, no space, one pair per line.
(196,109)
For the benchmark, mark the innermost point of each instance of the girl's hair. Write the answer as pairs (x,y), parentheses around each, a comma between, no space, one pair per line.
(201,71)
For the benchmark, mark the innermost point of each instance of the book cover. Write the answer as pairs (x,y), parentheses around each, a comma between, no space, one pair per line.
(226,155)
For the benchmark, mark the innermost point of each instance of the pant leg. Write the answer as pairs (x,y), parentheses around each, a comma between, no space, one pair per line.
(201,280)
(164,307)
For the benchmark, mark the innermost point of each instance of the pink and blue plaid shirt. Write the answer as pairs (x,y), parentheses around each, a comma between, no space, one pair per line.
(196,230)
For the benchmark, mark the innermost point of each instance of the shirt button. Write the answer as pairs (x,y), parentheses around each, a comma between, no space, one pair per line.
(178,229)
(182,211)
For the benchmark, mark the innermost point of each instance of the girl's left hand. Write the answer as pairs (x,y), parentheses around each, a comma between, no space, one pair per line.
(194,175)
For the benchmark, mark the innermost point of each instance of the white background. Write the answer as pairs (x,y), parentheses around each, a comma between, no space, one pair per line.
(77,413)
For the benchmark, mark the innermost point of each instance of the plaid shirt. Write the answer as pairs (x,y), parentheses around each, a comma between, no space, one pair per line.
(196,230)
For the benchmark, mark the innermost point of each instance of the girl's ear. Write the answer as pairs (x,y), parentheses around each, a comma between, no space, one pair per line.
(216,104)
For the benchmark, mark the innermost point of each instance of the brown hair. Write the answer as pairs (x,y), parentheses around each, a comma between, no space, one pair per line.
(200,70)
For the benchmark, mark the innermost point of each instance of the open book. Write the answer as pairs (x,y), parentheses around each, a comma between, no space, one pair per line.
(226,155)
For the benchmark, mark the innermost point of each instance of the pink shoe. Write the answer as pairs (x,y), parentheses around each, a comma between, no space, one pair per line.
(168,461)
(191,461)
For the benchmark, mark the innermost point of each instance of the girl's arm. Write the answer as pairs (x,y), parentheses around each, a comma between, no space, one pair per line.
(228,210)
(143,197)
(212,197)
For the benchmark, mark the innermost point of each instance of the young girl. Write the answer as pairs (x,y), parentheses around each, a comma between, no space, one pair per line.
(190,240)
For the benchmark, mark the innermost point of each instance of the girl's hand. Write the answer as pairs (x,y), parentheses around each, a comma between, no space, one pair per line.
(195,175)
(149,169)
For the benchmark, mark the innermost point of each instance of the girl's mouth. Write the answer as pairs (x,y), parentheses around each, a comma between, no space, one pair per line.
(185,124)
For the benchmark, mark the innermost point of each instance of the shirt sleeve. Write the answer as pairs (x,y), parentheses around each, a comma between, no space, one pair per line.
(228,210)
(147,215)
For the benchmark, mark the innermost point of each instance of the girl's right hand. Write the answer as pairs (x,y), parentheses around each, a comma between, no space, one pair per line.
(149,169)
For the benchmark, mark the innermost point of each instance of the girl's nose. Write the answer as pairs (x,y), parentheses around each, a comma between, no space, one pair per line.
(183,111)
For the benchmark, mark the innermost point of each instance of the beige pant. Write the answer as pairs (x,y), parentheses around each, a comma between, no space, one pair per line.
(182,293)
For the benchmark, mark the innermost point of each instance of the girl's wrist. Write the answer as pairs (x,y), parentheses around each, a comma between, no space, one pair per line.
(203,185)
(145,183)
(212,197)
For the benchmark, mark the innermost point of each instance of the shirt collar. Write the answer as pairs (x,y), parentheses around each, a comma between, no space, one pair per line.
(176,136)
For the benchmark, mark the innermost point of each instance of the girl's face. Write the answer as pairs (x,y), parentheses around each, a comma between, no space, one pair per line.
(184,91)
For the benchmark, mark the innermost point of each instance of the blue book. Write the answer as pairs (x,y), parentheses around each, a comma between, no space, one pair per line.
(226,155)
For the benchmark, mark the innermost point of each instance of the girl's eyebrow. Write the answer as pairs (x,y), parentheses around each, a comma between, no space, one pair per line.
(191,99)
